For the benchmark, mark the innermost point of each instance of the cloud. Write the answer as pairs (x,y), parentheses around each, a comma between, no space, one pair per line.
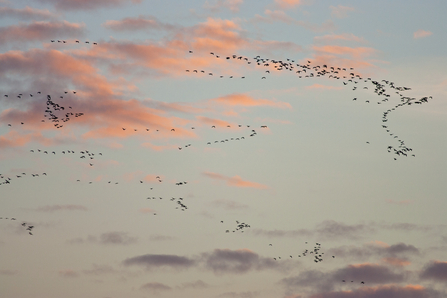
(53,208)
(8,272)
(436,271)
(153,260)
(100,270)
(288,3)
(199,284)
(335,37)
(323,87)
(370,273)
(228,204)
(247,294)
(340,11)
(235,181)
(343,56)
(39,30)
(280,16)
(68,273)
(421,34)
(155,287)
(394,291)
(397,262)
(403,202)
(121,238)
(138,23)
(332,229)
(236,261)
(109,238)
(87,4)
(244,100)
(26,13)
(316,280)
(232,5)
(395,253)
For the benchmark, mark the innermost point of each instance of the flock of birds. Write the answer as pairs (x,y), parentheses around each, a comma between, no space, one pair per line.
(28,228)
(58,114)
(76,41)
(383,88)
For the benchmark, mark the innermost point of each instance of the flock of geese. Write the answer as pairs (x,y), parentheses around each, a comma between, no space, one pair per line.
(383,88)
(27,227)
(59,114)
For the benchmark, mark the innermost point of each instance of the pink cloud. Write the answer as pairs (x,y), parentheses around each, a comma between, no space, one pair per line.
(323,87)
(246,101)
(398,262)
(26,13)
(421,34)
(235,181)
(137,23)
(232,5)
(38,31)
(288,3)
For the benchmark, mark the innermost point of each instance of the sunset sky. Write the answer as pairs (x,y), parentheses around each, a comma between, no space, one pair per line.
(223,148)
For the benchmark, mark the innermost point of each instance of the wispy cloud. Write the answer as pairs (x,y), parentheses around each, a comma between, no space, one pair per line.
(156,261)
(27,13)
(421,34)
(87,4)
(216,6)
(341,11)
(235,181)
(141,22)
(155,287)
(288,3)
(39,30)
(53,208)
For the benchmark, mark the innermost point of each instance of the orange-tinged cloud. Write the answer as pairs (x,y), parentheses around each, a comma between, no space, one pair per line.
(398,262)
(244,100)
(235,181)
(288,3)
(421,34)
(324,87)
(146,210)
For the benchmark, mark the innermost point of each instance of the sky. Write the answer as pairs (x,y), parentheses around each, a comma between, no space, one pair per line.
(223,148)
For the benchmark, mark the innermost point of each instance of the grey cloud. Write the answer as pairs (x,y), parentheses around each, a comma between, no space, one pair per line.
(236,261)
(155,287)
(199,284)
(117,238)
(436,271)
(155,260)
(52,208)
(87,4)
(389,291)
